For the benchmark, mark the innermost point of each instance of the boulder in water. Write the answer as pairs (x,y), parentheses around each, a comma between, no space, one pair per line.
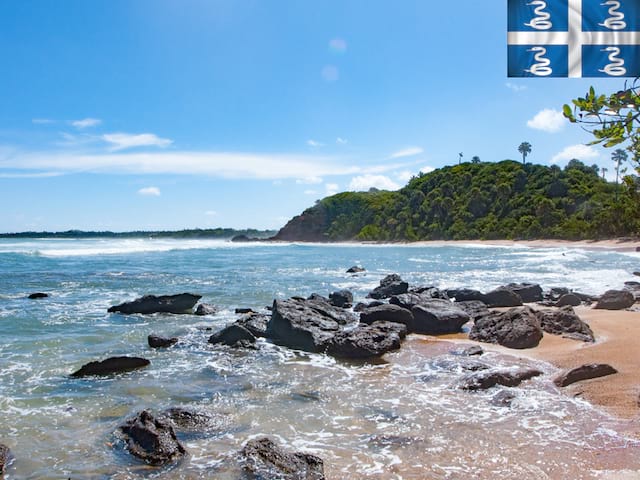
(233,336)
(356,269)
(181,303)
(490,378)
(37,295)
(206,309)
(262,458)
(156,341)
(436,316)
(389,286)
(152,440)
(516,328)
(584,372)
(364,341)
(388,313)
(111,365)
(341,298)
(256,323)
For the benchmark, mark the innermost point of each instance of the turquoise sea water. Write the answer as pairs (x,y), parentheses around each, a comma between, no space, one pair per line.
(399,419)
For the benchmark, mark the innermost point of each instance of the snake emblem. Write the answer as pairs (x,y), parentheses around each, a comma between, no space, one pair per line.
(616,67)
(616,18)
(542,19)
(541,68)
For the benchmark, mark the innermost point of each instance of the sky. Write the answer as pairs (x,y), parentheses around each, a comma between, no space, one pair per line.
(169,114)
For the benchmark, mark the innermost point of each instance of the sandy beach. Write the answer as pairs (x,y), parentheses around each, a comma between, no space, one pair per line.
(614,244)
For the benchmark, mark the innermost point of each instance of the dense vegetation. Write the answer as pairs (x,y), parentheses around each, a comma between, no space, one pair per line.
(188,234)
(505,200)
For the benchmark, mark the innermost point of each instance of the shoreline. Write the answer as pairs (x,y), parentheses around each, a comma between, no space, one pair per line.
(617,334)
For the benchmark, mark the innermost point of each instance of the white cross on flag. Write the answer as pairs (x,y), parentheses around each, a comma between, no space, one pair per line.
(573,38)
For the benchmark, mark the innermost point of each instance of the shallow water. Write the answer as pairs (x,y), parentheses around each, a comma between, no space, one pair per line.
(399,419)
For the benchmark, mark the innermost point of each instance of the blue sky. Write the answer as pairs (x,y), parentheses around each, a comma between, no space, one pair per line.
(157,114)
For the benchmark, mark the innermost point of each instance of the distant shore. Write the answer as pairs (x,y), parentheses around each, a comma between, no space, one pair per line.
(620,245)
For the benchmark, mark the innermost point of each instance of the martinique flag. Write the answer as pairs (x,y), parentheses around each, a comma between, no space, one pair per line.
(573,38)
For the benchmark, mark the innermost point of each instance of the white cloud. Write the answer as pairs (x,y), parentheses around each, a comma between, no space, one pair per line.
(407,152)
(331,188)
(427,169)
(365,182)
(31,175)
(210,213)
(515,87)
(338,45)
(580,152)
(310,192)
(122,141)
(42,121)
(149,191)
(548,120)
(341,141)
(309,181)
(86,123)
(313,143)
(330,73)
(404,176)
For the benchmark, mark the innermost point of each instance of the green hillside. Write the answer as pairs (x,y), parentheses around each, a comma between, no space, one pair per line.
(504,200)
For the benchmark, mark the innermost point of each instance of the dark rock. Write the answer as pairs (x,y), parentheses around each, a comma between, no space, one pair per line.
(584,297)
(504,398)
(568,299)
(233,336)
(392,327)
(528,292)
(181,303)
(37,295)
(585,372)
(5,457)
(363,306)
(422,297)
(471,351)
(430,292)
(515,328)
(304,324)
(356,269)
(188,420)
(308,396)
(389,286)
(553,295)
(565,322)
(152,440)
(490,378)
(616,300)
(634,288)
(341,298)
(474,308)
(256,323)
(388,313)
(156,341)
(458,365)
(206,309)
(637,274)
(364,341)
(438,317)
(244,310)
(637,249)
(502,297)
(111,365)
(465,295)
(263,459)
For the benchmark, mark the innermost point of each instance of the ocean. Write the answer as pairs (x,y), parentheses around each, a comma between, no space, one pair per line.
(402,418)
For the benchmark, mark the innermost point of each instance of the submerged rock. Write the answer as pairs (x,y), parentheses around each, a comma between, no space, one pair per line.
(5,457)
(437,316)
(156,341)
(490,378)
(584,372)
(205,309)
(262,458)
(389,286)
(516,328)
(152,440)
(364,341)
(181,303)
(37,295)
(111,365)
(565,322)
(472,351)
(504,398)
(616,300)
(388,313)
(233,336)
(184,419)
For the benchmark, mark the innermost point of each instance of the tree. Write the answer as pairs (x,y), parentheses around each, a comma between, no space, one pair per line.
(612,119)
(475,159)
(459,158)
(604,171)
(524,149)
(618,156)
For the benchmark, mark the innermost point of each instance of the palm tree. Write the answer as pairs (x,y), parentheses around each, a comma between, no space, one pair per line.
(475,159)
(618,156)
(459,158)
(524,149)
(604,171)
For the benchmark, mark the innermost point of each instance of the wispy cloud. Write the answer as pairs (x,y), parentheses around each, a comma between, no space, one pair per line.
(122,141)
(314,143)
(310,192)
(330,73)
(42,121)
(331,188)
(338,45)
(548,120)
(580,152)
(309,180)
(407,152)
(149,192)
(86,123)
(365,182)
(341,141)
(31,175)
(515,87)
